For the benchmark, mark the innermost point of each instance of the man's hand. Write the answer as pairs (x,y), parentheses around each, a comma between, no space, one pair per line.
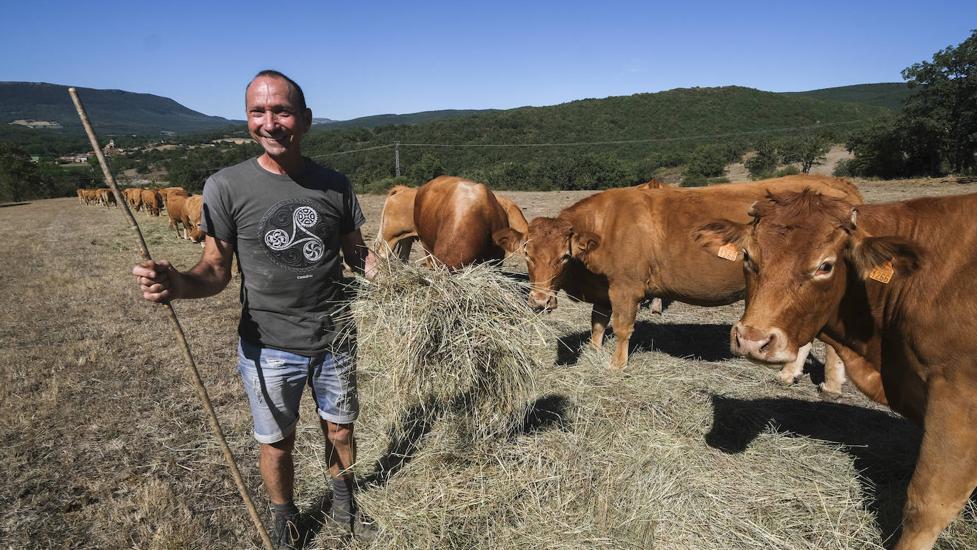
(157,280)
(357,255)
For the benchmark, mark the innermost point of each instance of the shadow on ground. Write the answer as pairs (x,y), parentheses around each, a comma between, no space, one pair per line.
(709,342)
(884,447)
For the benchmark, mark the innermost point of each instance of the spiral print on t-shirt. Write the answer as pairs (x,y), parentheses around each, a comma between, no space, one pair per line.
(291,232)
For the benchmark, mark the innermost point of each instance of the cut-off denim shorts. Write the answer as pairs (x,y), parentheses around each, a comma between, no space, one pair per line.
(274,380)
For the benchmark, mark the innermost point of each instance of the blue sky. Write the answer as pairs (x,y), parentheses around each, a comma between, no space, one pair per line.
(363,58)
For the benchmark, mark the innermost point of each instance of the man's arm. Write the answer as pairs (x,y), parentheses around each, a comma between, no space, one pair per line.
(160,281)
(357,255)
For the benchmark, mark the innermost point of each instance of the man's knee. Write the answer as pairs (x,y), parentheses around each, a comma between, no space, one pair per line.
(279,449)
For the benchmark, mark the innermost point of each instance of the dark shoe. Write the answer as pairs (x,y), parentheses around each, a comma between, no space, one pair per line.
(285,534)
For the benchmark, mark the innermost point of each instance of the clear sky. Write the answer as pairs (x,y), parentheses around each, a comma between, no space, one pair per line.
(358,58)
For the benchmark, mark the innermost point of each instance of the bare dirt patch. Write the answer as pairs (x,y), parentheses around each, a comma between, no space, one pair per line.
(105,444)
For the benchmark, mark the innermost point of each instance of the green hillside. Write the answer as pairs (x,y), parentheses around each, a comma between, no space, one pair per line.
(113,112)
(422,117)
(615,140)
(890,95)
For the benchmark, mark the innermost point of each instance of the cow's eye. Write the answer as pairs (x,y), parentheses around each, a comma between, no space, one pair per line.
(564,258)
(825,268)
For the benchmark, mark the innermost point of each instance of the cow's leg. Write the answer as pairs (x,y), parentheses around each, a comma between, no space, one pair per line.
(792,372)
(624,310)
(600,316)
(834,375)
(946,472)
(402,248)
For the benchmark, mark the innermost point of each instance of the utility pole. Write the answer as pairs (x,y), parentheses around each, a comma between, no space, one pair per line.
(397,158)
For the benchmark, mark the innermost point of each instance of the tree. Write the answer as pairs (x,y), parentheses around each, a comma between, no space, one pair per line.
(945,102)
(19,176)
(764,162)
(806,150)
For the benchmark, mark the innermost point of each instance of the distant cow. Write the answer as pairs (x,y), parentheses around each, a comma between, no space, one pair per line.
(133,196)
(107,197)
(452,217)
(621,246)
(151,199)
(192,211)
(894,288)
(174,210)
(167,192)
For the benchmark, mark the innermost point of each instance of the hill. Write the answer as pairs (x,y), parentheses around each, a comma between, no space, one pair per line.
(891,95)
(422,117)
(113,112)
(598,141)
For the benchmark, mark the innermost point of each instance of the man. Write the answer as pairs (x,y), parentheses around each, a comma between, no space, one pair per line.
(287,219)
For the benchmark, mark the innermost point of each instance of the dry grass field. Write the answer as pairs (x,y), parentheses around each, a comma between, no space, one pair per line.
(105,444)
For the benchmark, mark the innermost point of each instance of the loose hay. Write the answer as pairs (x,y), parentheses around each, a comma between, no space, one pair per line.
(463,341)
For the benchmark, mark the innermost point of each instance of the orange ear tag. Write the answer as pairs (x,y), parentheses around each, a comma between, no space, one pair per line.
(882,273)
(729,252)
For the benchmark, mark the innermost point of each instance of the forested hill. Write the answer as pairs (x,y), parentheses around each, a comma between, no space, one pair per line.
(637,133)
(890,95)
(113,112)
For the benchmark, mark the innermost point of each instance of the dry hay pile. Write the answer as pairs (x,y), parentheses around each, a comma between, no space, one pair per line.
(463,342)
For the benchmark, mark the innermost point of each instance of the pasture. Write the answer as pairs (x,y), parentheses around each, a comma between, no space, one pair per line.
(105,444)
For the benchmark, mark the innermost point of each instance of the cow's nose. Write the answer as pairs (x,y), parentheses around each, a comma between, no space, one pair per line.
(769,345)
(542,301)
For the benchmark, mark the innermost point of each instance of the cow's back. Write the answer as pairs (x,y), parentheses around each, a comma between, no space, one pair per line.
(455,219)
(648,235)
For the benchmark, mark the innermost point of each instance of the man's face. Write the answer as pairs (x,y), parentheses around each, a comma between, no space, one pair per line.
(275,118)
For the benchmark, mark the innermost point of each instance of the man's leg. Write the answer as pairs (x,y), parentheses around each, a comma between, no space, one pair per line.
(277,469)
(340,445)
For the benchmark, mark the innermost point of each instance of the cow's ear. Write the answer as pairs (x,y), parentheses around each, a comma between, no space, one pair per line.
(583,243)
(876,257)
(509,239)
(721,238)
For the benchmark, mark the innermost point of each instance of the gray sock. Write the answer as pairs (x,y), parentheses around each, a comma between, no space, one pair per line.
(287,509)
(342,500)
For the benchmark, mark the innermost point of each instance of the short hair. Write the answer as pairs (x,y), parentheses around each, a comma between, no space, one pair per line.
(278,74)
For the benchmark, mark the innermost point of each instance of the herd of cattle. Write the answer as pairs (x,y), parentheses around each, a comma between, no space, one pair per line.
(890,288)
(182,208)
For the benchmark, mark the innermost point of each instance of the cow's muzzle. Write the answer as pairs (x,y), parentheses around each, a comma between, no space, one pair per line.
(768,345)
(542,301)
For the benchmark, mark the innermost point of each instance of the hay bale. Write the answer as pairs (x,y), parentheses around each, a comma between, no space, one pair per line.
(463,341)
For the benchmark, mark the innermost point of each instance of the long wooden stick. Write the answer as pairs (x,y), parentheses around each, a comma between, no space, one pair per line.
(181,336)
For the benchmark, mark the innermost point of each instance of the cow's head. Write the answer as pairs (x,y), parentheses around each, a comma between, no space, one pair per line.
(800,253)
(548,246)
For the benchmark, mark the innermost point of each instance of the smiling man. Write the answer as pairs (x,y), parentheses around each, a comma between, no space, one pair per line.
(291,222)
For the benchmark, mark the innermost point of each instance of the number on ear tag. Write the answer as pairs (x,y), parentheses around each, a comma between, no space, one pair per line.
(882,273)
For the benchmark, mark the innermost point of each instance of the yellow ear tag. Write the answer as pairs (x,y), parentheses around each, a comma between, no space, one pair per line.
(882,273)
(729,252)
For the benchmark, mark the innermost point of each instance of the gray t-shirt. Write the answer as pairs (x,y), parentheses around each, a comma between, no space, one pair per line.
(286,233)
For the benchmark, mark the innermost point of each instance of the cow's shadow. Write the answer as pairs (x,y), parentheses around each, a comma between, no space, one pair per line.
(709,342)
(884,447)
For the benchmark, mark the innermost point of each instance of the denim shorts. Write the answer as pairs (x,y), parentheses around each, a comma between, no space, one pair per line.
(274,380)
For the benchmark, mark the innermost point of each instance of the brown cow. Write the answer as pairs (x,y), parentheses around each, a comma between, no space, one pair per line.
(894,288)
(134,197)
(107,197)
(455,215)
(192,211)
(621,246)
(151,199)
(174,210)
(397,233)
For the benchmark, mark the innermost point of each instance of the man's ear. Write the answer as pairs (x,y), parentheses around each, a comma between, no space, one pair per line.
(583,243)
(870,254)
(719,236)
(307,116)
(509,239)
